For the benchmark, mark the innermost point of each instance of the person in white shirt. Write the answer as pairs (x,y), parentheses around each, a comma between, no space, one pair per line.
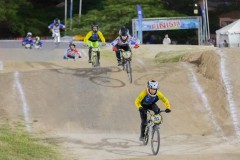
(166,40)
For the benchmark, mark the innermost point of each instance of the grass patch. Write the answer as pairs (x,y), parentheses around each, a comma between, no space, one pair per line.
(170,56)
(20,145)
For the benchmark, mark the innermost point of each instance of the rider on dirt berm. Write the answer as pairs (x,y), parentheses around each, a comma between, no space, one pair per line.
(123,41)
(146,100)
(55,27)
(28,40)
(92,38)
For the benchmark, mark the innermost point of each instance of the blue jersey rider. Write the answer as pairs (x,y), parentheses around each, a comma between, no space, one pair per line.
(55,27)
(146,100)
(38,41)
(28,40)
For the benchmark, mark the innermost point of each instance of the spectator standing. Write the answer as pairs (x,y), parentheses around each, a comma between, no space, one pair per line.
(225,43)
(166,40)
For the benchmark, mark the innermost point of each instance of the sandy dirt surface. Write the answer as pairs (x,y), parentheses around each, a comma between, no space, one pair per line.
(90,112)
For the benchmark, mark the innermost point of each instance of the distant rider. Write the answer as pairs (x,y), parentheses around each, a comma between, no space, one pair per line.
(123,41)
(28,40)
(38,41)
(92,38)
(147,100)
(71,52)
(55,27)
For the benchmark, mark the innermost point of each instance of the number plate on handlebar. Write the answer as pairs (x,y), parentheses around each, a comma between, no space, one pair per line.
(95,49)
(157,118)
(126,54)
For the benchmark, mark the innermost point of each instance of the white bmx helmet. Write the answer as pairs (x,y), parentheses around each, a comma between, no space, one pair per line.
(29,34)
(152,85)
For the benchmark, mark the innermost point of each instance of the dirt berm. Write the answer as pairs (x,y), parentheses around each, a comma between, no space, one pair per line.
(91,114)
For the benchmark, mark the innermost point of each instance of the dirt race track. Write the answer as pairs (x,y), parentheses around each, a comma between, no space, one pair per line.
(91,114)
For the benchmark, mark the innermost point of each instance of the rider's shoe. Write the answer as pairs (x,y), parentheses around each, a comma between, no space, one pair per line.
(89,61)
(141,138)
(119,63)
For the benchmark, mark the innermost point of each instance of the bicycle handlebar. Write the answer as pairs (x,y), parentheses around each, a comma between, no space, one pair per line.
(149,111)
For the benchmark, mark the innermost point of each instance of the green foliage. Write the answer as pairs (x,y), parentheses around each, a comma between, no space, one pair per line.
(9,15)
(117,13)
(170,56)
(18,17)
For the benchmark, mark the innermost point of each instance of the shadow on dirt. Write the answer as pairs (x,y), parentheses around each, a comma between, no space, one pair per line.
(99,76)
(120,146)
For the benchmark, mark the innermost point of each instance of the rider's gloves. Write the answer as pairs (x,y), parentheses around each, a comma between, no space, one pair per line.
(141,109)
(136,46)
(167,110)
(114,49)
(79,57)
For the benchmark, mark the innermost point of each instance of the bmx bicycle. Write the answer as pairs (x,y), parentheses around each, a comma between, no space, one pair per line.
(95,58)
(126,58)
(152,131)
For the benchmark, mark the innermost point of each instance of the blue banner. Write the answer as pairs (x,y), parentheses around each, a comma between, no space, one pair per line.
(204,23)
(152,25)
(139,26)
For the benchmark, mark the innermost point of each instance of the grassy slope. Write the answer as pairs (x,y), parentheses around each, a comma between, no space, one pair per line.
(16,144)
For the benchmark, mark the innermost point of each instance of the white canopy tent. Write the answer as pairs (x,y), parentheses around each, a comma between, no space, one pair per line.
(230,33)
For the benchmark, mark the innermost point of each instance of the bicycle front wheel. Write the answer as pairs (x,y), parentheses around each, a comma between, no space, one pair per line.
(129,70)
(155,141)
(145,141)
(94,61)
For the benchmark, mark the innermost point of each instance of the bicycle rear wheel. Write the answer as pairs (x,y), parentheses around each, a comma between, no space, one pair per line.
(155,141)
(129,70)
(145,142)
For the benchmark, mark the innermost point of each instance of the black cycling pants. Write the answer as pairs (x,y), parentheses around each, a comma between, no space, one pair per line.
(143,115)
(125,48)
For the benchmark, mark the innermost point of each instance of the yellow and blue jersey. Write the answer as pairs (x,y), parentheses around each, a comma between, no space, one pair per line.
(93,37)
(144,99)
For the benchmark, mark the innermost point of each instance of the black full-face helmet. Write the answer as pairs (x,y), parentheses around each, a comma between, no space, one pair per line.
(72,44)
(123,31)
(56,20)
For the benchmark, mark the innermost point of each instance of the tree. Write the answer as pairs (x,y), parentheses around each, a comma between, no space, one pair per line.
(113,14)
(10,19)
(17,17)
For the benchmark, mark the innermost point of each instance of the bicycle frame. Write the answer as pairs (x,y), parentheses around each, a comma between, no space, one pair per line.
(94,58)
(126,57)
